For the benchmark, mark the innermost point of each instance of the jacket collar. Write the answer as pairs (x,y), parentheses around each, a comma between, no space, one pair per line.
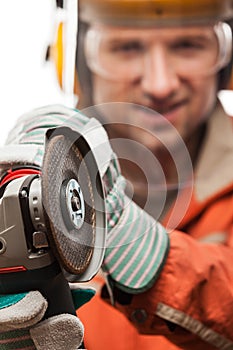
(213,171)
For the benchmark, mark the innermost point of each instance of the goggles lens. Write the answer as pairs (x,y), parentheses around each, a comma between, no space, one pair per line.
(123,54)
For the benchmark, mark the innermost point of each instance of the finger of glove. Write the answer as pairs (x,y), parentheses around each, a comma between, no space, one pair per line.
(25,143)
(36,121)
(61,332)
(20,154)
(24,313)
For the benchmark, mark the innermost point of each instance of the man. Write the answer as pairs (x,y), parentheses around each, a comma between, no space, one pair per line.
(152,71)
(166,57)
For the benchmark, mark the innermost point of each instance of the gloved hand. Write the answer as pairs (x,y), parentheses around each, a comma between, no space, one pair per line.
(137,245)
(21,326)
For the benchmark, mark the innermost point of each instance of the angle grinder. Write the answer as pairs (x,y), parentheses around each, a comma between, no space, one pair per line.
(52,221)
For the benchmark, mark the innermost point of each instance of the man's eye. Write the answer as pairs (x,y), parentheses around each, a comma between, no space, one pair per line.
(128,47)
(188,45)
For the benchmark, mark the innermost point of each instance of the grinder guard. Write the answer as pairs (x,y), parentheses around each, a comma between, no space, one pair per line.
(71,178)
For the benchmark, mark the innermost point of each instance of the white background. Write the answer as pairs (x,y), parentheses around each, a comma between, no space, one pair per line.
(26,81)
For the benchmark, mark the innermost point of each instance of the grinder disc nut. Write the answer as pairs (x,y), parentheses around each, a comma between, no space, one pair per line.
(75,203)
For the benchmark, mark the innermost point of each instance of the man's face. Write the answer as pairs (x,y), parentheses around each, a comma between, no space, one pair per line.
(166,76)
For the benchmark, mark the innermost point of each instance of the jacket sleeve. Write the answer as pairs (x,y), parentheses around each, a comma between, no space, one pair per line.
(191,303)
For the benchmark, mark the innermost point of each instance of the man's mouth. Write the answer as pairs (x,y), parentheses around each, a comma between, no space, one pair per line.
(155,112)
(164,108)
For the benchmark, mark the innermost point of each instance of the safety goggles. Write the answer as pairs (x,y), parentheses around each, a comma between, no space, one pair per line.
(123,54)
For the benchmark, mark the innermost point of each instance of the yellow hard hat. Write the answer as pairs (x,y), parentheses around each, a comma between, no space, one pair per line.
(154,12)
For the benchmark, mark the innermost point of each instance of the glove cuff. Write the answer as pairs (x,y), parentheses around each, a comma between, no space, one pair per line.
(17,339)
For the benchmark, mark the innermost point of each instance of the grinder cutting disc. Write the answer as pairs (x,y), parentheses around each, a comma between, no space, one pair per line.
(70,191)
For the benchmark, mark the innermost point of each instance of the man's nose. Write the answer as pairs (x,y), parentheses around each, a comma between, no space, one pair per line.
(159,77)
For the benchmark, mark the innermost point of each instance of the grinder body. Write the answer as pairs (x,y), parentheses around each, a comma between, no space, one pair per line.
(27,263)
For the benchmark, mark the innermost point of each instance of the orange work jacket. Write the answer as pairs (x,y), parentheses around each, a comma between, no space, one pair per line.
(191,304)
